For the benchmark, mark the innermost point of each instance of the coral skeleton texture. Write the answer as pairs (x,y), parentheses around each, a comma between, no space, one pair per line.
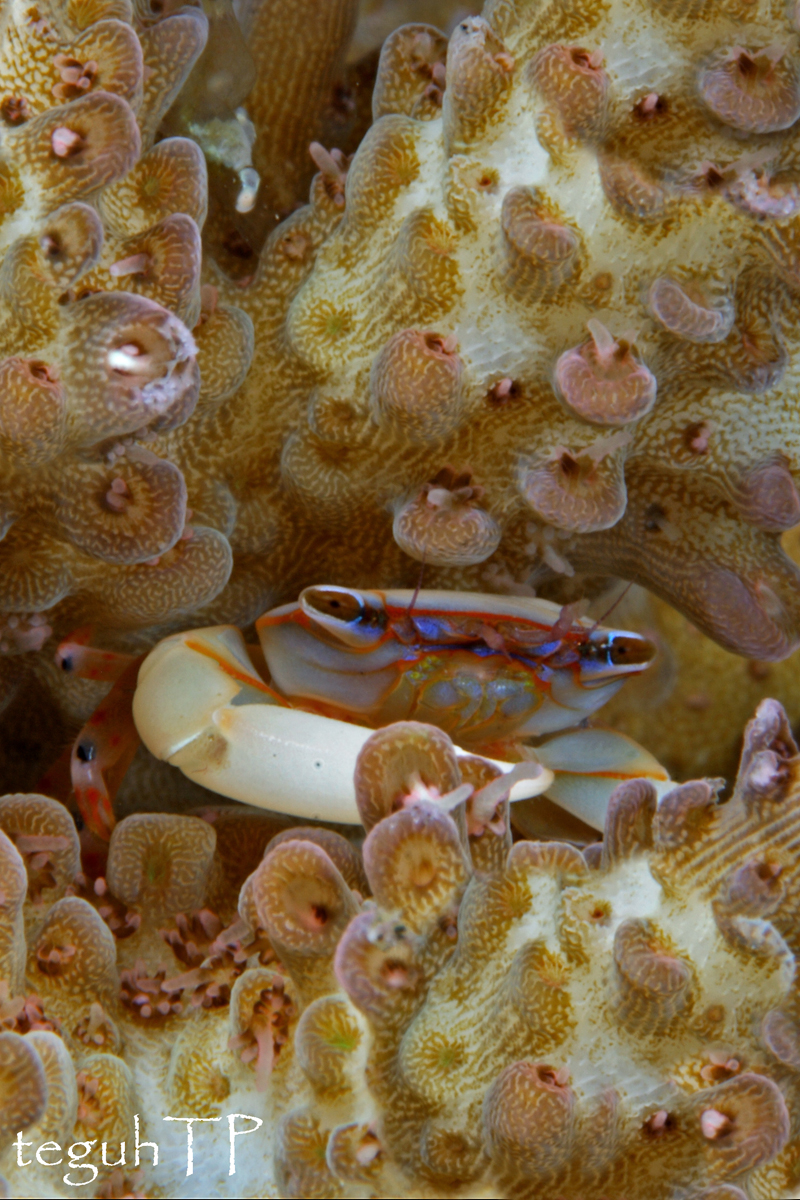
(438,1014)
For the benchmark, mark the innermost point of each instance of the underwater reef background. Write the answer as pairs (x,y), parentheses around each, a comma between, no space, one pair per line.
(313,291)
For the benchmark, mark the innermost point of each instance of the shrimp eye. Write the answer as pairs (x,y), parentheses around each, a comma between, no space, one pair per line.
(85,751)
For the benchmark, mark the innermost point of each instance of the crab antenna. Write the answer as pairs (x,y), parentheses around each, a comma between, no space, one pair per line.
(609,611)
(418,587)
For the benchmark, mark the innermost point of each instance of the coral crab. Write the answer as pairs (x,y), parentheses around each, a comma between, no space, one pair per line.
(280,726)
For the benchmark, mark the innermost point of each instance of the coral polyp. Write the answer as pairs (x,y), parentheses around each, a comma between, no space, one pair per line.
(602,380)
(100,277)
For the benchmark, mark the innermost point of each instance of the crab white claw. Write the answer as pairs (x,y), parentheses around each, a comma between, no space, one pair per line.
(234,738)
(201,705)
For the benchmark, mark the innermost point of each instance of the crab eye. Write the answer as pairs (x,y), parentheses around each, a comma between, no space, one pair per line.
(335,602)
(608,655)
(629,651)
(357,619)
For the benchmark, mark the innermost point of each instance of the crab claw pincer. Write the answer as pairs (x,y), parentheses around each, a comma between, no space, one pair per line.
(201,705)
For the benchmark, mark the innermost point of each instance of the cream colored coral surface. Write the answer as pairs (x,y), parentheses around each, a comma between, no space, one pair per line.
(437,1013)
(566,285)
(434,345)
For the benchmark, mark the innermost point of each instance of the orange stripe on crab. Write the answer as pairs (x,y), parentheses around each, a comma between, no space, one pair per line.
(393,655)
(660,775)
(484,668)
(239,676)
(477,624)
(380,618)
(322,709)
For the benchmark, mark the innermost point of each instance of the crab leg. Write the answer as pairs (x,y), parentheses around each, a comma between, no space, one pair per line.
(93,767)
(588,764)
(201,706)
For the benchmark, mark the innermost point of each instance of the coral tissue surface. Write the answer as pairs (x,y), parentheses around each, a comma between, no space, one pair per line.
(437,1014)
(544,325)
(541,328)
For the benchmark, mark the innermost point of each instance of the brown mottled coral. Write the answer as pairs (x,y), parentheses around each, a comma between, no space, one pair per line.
(572,282)
(690,708)
(99,287)
(556,1024)
(565,179)
(441,1013)
(120,968)
(691,705)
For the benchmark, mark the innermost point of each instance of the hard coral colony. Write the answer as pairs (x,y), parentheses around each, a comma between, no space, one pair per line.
(539,330)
